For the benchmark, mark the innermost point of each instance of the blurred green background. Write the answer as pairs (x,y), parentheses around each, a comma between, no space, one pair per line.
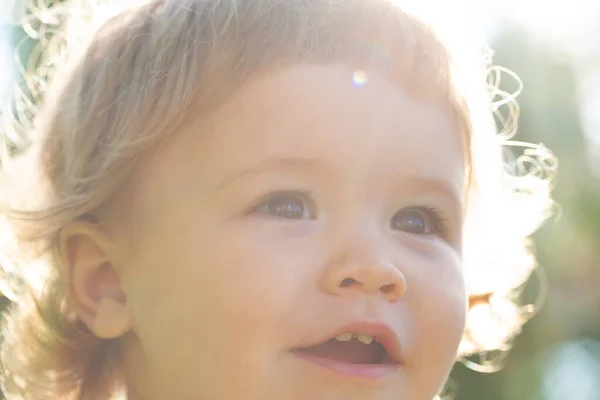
(555,49)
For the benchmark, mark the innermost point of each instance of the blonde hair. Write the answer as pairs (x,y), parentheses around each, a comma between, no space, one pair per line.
(143,75)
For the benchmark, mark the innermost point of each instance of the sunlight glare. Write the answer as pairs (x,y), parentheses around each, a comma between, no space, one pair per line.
(6,72)
(555,19)
(359,78)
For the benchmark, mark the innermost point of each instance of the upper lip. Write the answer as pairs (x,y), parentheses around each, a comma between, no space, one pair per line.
(381,332)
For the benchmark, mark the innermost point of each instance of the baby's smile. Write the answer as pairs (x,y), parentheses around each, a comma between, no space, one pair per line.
(363,350)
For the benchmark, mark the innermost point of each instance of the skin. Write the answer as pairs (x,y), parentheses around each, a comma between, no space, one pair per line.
(222,284)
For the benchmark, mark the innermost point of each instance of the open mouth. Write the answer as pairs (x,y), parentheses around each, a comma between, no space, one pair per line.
(355,355)
(350,348)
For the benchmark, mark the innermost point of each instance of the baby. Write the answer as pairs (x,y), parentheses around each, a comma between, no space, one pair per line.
(260,200)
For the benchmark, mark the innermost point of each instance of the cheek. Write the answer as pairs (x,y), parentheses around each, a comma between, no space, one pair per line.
(211,301)
(439,296)
(251,270)
(213,282)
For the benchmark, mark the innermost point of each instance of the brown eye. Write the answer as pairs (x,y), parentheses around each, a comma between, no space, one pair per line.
(288,206)
(418,221)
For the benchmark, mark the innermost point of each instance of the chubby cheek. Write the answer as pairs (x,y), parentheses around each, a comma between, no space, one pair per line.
(439,299)
(225,292)
(255,272)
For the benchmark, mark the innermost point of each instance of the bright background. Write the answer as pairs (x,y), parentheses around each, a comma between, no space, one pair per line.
(554,46)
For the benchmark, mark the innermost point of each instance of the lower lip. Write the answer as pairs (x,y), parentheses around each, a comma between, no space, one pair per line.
(361,371)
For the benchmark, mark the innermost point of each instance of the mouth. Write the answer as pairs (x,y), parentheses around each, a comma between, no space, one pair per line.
(364,351)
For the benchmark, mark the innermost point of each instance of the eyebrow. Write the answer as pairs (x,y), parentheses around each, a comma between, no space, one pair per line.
(289,163)
(440,187)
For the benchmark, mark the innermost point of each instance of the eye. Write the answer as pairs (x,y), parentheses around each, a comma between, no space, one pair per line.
(419,221)
(287,205)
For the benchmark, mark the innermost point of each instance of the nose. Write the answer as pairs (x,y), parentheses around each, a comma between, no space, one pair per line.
(366,269)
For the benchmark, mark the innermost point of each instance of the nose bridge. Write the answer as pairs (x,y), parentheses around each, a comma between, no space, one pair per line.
(365,247)
(363,261)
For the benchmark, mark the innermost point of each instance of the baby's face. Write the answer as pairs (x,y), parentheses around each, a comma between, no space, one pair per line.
(307,207)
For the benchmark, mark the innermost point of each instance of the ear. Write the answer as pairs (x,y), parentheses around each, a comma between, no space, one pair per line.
(93,264)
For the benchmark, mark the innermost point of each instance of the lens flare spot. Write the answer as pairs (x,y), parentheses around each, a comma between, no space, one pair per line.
(359,78)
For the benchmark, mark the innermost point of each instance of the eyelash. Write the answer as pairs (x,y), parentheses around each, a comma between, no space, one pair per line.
(434,217)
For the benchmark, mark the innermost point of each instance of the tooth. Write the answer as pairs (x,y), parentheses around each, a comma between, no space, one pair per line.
(344,337)
(366,339)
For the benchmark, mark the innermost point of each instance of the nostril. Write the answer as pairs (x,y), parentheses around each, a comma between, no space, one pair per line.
(389,288)
(347,282)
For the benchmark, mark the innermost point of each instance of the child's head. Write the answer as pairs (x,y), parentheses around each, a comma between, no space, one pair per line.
(225,186)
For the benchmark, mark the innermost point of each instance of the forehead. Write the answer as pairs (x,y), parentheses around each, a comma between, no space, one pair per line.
(371,128)
(324,111)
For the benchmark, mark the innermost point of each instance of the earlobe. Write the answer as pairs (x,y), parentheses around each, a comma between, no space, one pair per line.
(112,319)
(92,264)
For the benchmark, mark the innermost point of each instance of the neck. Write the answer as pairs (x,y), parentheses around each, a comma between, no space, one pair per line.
(133,371)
